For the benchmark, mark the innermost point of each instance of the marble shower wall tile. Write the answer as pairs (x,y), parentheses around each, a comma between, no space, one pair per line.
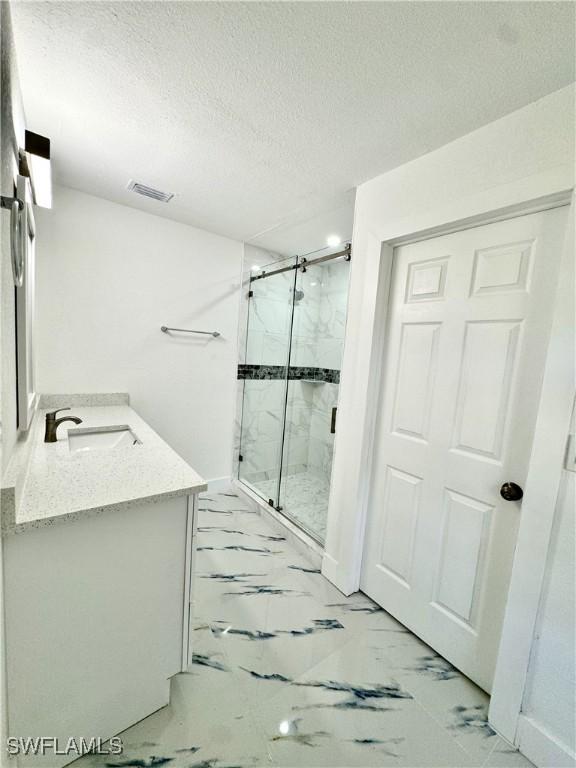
(330,327)
(263,395)
(304,351)
(271,315)
(300,393)
(260,457)
(320,423)
(325,397)
(329,352)
(296,450)
(262,426)
(321,446)
(274,348)
(298,420)
(254,344)
(320,455)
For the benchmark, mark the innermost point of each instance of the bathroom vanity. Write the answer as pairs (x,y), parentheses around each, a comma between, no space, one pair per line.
(98,534)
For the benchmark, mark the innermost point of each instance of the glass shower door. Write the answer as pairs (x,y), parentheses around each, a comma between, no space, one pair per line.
(265,374)
(320,301)
(295,336)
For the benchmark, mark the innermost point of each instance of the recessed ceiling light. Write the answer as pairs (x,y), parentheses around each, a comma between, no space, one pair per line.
(333,240)
(255,268)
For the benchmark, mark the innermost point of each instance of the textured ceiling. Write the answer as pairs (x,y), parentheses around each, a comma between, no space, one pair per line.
(261,117)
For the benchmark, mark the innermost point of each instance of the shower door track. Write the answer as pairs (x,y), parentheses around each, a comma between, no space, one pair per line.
(302,262)
(310,538)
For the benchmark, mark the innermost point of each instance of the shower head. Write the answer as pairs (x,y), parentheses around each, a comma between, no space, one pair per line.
(298,295)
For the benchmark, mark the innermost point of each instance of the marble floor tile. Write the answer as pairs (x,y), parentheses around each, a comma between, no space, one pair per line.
(286,671)
(453,700)
(349,710)
(324,727)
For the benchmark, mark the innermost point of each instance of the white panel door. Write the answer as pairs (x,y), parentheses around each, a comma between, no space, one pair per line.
(468,325)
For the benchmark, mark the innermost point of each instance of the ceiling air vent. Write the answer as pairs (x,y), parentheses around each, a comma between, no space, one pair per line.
(155,194)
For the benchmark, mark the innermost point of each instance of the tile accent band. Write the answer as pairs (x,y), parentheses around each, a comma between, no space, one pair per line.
(295,373)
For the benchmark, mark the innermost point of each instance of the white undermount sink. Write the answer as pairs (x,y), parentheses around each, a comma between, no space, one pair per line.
(85,439)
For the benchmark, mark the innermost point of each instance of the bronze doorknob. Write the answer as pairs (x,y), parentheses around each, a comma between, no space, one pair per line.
(511,492)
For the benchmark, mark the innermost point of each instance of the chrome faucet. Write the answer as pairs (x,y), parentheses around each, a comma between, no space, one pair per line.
(52,424)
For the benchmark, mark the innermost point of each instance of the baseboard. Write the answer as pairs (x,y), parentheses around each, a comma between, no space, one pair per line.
(331,571)
(219,484)
(541,747)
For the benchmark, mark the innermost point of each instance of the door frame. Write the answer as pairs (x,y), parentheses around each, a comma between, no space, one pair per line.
(373,252)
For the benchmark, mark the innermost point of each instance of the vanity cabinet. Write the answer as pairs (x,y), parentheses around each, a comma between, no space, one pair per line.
(97,620)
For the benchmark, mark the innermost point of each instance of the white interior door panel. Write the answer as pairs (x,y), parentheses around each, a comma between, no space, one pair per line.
(468,325)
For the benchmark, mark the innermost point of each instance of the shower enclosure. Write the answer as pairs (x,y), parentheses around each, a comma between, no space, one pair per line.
(295,334)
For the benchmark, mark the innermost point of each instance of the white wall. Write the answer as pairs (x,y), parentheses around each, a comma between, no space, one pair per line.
(524,156)
(550,700)
(108,277)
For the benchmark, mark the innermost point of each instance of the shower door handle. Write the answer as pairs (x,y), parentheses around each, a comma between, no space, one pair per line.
(333,421)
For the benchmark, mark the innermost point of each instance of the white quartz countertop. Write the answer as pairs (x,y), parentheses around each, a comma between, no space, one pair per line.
(54,484)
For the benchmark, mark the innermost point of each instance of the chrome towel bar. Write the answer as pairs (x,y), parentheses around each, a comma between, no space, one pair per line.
(165,329)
